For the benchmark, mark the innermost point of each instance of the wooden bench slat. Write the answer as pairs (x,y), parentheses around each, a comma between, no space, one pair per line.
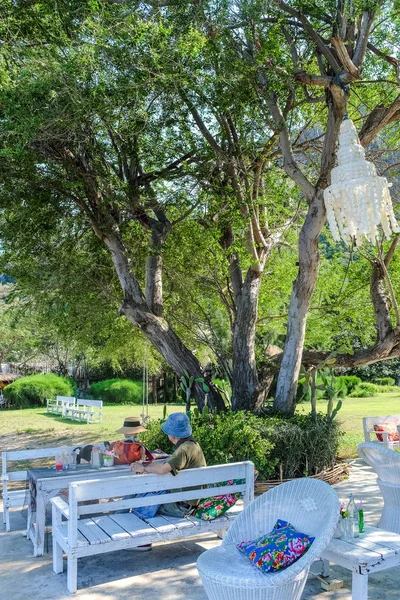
(112,529)
(161,524)
(92,532)
(63,530)
(132,524)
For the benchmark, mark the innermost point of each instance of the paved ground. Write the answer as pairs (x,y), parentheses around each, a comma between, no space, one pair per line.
(169,571)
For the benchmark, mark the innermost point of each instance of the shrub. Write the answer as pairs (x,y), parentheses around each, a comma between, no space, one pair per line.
(36,389)
(384,381)
(225,438)
(301,446)
(350,381)
(364,390)
(119,391)
(383,389)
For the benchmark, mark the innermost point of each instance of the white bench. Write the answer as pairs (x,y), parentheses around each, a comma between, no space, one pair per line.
(59,405)
(90,411)
(81,535)
(370,434)
(17,497)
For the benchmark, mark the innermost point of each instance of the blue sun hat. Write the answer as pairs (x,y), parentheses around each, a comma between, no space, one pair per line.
(177,425)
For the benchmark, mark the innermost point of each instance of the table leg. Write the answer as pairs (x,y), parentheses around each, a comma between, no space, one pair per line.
(359,587)
(38,541)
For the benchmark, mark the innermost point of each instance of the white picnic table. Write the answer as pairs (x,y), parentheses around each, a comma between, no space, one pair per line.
(375,550)
(46,483)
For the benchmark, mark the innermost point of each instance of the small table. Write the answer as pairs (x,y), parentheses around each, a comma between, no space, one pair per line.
(375,550)
(44,484)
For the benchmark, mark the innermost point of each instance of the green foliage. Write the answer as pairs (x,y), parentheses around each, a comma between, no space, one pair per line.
(383,389)
(224,438)
(230,437)
(36,389)
(350,381)
(367,390)
(382,369)
(303,447)
(120,391)
(154,438)
(384,381)
(186,387)
(364,390)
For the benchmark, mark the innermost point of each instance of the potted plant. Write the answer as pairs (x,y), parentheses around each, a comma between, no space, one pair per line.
(108,458)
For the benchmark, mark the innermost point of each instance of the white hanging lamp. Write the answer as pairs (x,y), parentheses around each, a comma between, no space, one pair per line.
(358,200)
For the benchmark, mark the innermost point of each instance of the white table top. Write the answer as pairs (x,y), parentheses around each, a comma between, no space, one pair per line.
(367,552)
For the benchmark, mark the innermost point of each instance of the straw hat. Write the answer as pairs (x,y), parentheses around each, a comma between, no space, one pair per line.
(131,426)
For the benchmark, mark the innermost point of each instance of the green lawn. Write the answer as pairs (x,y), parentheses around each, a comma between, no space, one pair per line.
(32,427)
(351,414)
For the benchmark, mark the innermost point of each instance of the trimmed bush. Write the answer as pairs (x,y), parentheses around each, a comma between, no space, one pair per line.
(384,389)
(364,390)
(118,391)
(384,381)
(301,446)
(34,390)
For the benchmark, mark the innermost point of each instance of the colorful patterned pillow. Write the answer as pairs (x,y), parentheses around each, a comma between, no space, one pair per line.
(278,549)
(212,508)
(390,427)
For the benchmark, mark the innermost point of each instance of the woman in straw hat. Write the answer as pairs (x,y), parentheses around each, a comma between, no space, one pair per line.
(131,428)
(130,449)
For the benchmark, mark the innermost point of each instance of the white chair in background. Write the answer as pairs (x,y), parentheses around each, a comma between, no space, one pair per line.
(310,505)
(386,464)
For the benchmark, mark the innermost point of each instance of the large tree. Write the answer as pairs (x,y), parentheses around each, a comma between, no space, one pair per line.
(148,121)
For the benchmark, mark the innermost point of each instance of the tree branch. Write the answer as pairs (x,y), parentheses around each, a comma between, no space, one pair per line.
(313,35)
(362,41)
(289,163)
(378,119)
(344,57)
(202,127)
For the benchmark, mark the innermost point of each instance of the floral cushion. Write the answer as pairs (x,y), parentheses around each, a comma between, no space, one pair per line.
(390,427)
(278,549)
(211,508)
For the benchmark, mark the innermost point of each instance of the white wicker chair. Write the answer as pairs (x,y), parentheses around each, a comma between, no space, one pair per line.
(386,464)
(310,505)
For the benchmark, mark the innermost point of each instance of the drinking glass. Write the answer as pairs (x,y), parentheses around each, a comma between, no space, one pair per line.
(59,462)
(347,529)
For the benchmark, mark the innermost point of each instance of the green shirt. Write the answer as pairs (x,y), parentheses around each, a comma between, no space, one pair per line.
(188,455)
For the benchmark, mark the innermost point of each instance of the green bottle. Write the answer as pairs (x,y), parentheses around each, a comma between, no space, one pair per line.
(361,520)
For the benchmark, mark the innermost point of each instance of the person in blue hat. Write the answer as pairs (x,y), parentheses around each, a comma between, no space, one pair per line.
(187,455)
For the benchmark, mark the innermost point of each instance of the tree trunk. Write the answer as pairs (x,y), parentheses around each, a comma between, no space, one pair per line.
(285,399)
(245,388)
(303,288)
(155,328)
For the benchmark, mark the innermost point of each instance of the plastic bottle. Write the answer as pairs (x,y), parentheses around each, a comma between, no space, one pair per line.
(95,457)
(352,515)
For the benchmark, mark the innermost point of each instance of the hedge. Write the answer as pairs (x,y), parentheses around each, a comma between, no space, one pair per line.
(297,445)
(34,390)
(118,391)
